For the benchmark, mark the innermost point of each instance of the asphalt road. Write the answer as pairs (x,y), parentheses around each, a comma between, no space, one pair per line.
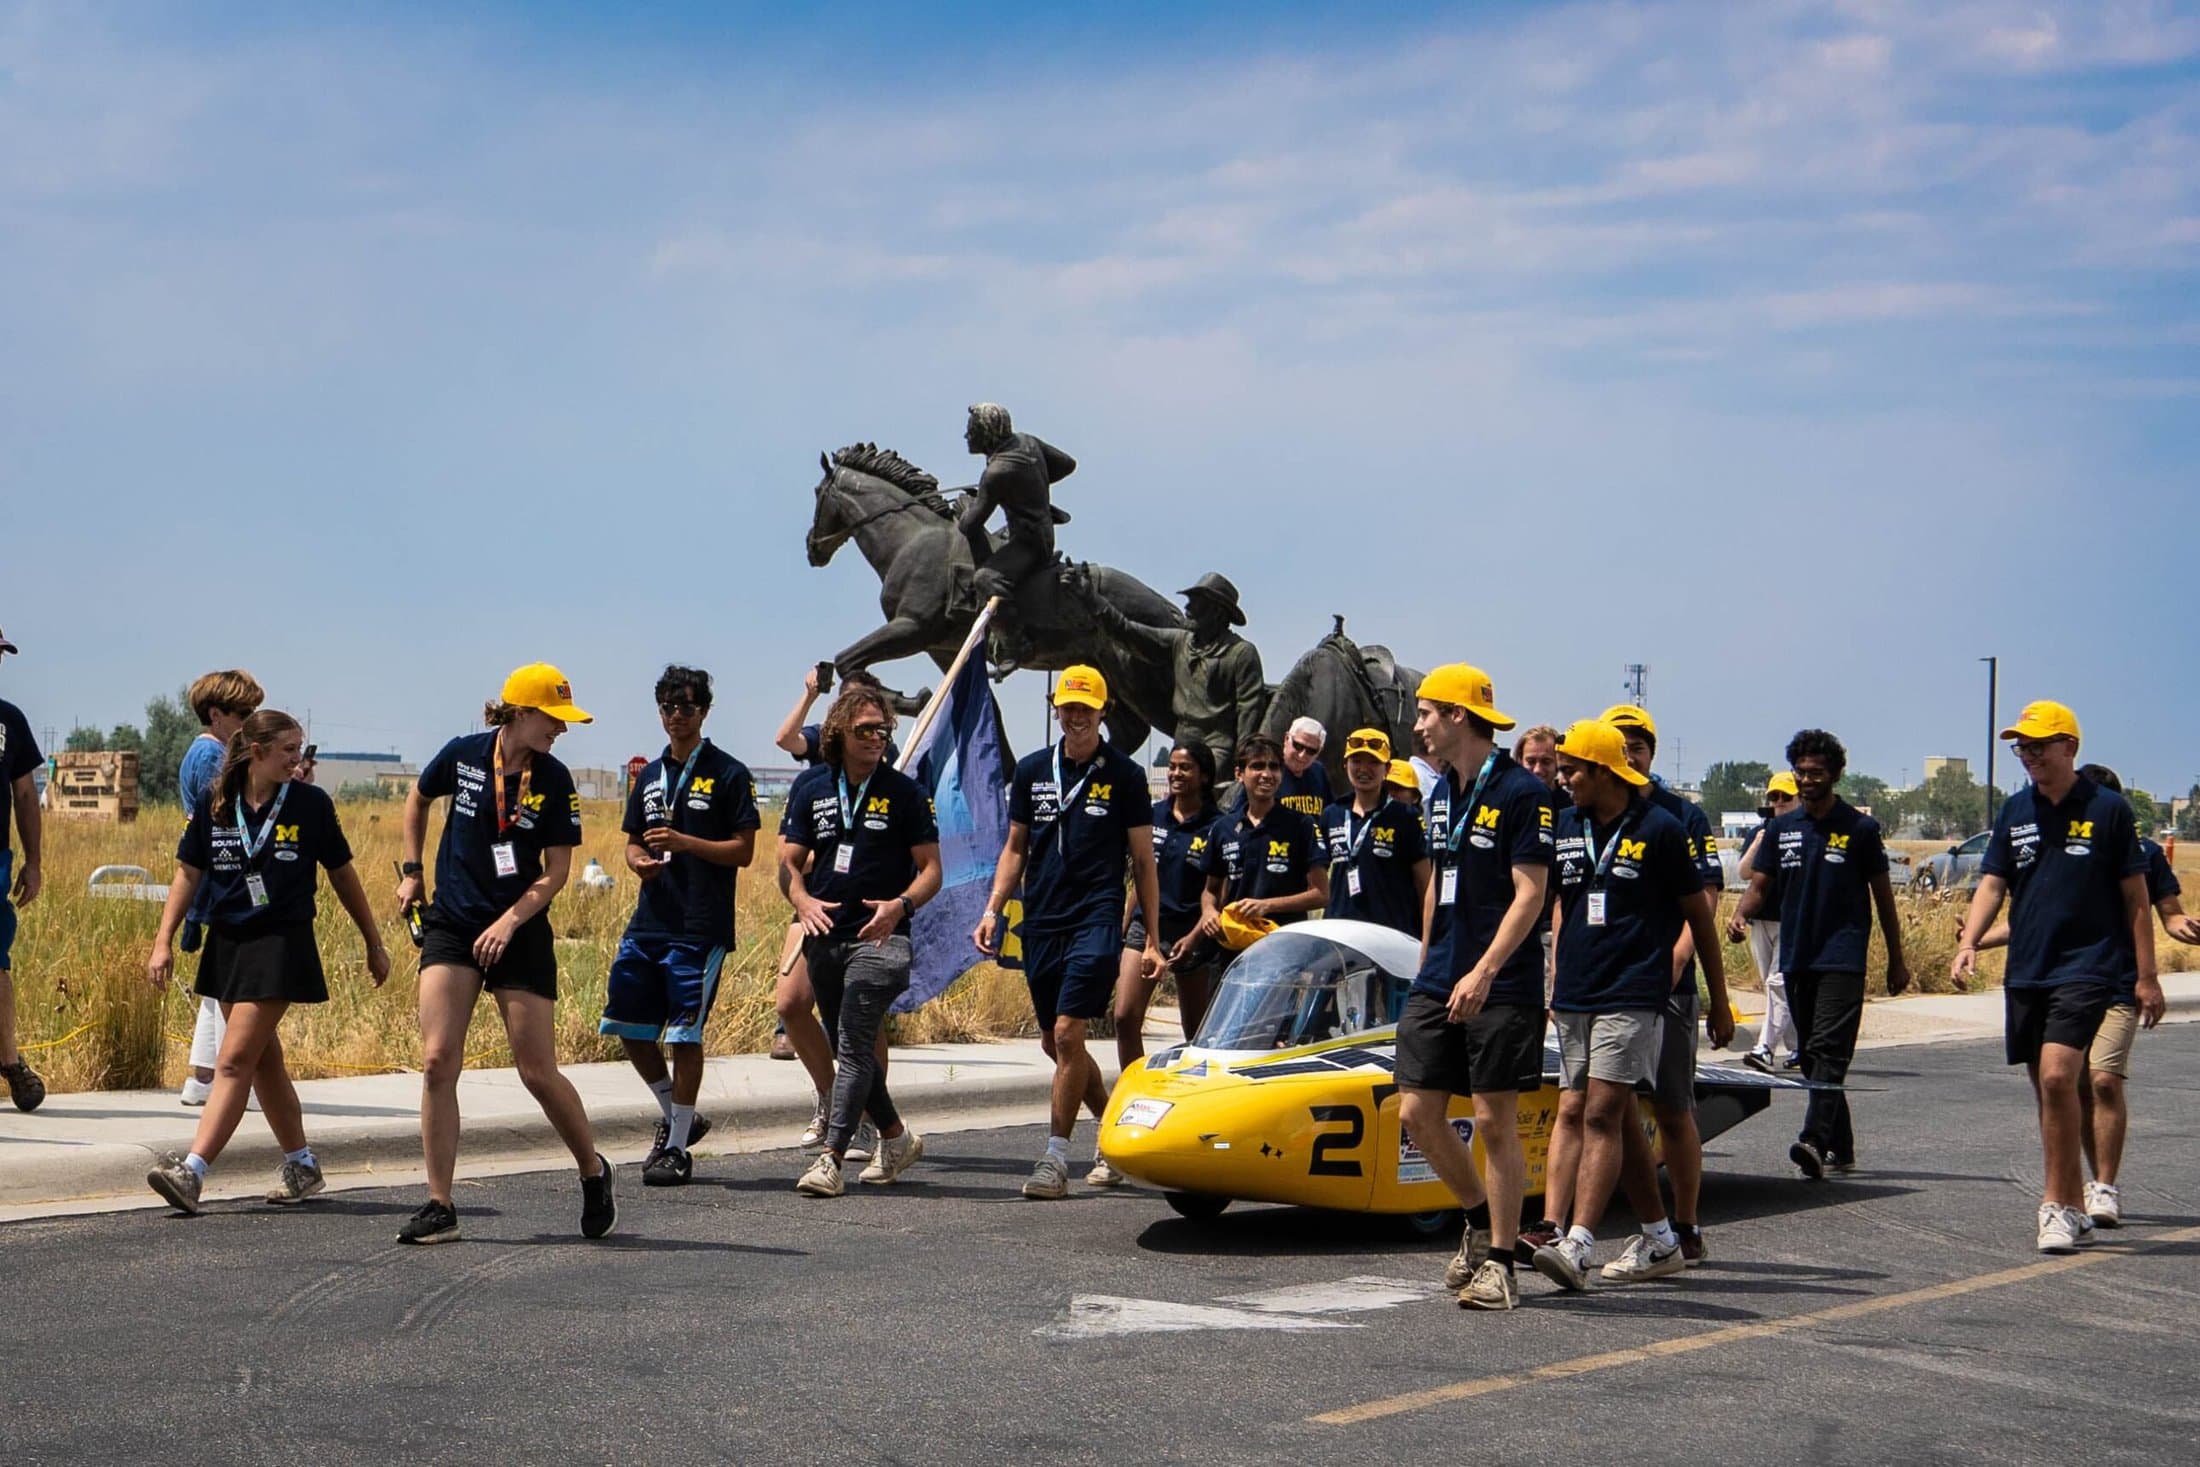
(1897,1317)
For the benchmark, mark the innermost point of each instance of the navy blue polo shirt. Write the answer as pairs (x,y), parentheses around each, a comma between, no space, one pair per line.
(1377,853)
(18,756)
(2065,864)
(1512,825)
(1076,853)
(1180,858)
(468,891)
(1306,793)
(813,746)
(306,838)
(1436,825)
(2162,884)
(692,899)
(1628,962)
(1822,871)
(1270,859)
(1703,849)
(892,816)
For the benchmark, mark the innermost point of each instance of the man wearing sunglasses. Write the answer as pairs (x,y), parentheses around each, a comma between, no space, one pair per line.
(2065,855)
(1378,856)
(1305,783)
(690,827)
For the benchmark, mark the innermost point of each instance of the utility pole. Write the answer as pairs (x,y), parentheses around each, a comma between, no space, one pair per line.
(1993,729)
(1637,683)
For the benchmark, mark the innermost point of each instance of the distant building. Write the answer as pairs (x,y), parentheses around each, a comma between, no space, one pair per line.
(773,781)
(361,773)
(1938,762)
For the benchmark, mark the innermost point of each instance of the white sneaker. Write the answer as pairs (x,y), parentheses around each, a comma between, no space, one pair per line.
(1474,1251)
(2059,1228)
(1049,1179)
(822,1179)
(1644,1260)
(864,1144)
(2088,1234)
(1103,1175)
(1564,1262)
(896,1154)
(2104,1204)
(196,1091)
(813,1137)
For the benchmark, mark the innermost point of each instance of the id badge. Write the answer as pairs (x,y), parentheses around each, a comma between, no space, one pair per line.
(256,886)
(1448,889)
(1596,909)
(507,858)
(1352,880)
(844,860)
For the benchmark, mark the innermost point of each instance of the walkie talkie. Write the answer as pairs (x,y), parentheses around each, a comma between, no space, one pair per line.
(414,927)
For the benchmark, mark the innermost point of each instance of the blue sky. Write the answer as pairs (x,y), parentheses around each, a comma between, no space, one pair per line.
(1804,352)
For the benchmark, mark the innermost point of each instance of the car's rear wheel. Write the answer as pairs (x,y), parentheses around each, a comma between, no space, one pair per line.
(1198,1206)
(1433,1224)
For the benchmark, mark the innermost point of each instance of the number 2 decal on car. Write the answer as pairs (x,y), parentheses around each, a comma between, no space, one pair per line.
(1321,1163)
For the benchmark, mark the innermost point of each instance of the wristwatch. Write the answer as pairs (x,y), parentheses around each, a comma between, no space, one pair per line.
(410,868)
(908,907)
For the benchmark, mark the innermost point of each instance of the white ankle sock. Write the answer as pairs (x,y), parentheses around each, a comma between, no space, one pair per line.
(662,1089)
(303,1156)
(197,1163)
(1661,1233)
(1582,1236)
(683,1120)
(1058,1148)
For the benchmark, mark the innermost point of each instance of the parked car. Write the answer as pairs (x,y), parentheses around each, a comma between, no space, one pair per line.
(1899,871)
(1955,869)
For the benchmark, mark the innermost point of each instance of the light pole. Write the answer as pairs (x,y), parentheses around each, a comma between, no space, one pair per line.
(1993,730)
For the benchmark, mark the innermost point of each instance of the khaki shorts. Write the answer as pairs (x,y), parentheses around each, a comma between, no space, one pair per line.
(1621,1047)
(2112,1045)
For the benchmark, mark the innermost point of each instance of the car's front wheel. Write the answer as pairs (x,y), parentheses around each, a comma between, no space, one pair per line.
(1198,1206)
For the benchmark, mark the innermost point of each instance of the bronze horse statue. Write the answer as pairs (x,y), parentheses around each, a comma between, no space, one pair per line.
(905,527)
(1343,686)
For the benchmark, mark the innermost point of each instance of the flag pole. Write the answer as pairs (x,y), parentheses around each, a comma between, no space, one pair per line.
(931,707)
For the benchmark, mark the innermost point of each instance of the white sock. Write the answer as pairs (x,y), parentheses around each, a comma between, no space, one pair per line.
(1661,1233)
(683,1120)
(1058,1148)
(662,1089)
(1582,1235)
(303,1156)
(197,1163)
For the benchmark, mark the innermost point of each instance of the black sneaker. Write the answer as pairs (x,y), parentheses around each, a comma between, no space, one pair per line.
(1759,1060)
(698,1128)
(436,1222)
(1792,1062)
(1841,1164)
(24,1086)
(672,1168)
(599,1208)
(1809,1160)
(1693,1252)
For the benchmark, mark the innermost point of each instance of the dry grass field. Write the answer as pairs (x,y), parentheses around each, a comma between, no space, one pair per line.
(89,1021)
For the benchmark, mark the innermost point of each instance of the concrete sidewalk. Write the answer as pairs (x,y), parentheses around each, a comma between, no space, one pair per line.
(97,1145)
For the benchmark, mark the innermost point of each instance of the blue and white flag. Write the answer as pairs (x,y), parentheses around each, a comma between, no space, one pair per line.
(963,763)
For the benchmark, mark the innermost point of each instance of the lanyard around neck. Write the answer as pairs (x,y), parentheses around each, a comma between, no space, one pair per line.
(252,843)
(1599,867)
(1464,818)
(526,780)
(672,797)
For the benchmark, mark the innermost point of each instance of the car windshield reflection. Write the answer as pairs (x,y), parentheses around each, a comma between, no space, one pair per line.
(1293,988)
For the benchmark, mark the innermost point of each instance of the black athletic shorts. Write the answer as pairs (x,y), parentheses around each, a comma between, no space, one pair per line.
(2068,1013)
(1197,961)
(261,963)
(530,961)
(1500,1048)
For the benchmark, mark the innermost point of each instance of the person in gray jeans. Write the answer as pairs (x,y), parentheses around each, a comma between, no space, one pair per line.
(859,852)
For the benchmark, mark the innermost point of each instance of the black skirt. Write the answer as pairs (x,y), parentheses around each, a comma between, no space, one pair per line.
(256,963)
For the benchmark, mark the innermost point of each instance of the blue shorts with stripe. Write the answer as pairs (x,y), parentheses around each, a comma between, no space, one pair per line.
(661,989)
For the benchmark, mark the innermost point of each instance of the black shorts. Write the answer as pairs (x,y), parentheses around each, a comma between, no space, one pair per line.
(1173,930)
(2068,1013)
(1499,1049)
(530,962)
(1073,972)
(261,964)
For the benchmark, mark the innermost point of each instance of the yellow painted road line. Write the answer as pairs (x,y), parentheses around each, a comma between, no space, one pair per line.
(1733,1334)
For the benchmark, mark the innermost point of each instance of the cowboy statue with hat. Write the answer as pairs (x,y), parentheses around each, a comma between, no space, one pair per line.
(1219,693)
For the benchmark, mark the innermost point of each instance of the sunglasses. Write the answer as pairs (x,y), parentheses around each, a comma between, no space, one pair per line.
(1306,748)
(1352,746)
(2033,748)
(681,710)
(1779,799)
(1260,766)
(871,732)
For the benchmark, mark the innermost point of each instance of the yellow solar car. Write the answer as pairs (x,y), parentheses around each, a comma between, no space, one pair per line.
(1288,1093)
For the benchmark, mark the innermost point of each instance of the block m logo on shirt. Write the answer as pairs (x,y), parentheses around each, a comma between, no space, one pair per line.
(1837,842)
(286,835)
(878,805)
(1101,793)
(1279,848)
(704,786)
(1634,850)
(1485,818)
(1386,833)
(2081,830)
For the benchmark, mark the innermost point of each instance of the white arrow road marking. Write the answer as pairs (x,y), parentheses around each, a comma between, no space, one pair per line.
(1293,1309)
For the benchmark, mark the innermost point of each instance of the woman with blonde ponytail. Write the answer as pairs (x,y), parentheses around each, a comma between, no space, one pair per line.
(255,841)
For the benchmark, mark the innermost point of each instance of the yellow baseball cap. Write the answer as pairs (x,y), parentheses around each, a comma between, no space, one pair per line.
(1782,783)
(2043,720)
(1465,687)
(1240,933)
(1598,741)
(1370,741)
(1629,715)
(540,686)
(1081,685)
(1402,775)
